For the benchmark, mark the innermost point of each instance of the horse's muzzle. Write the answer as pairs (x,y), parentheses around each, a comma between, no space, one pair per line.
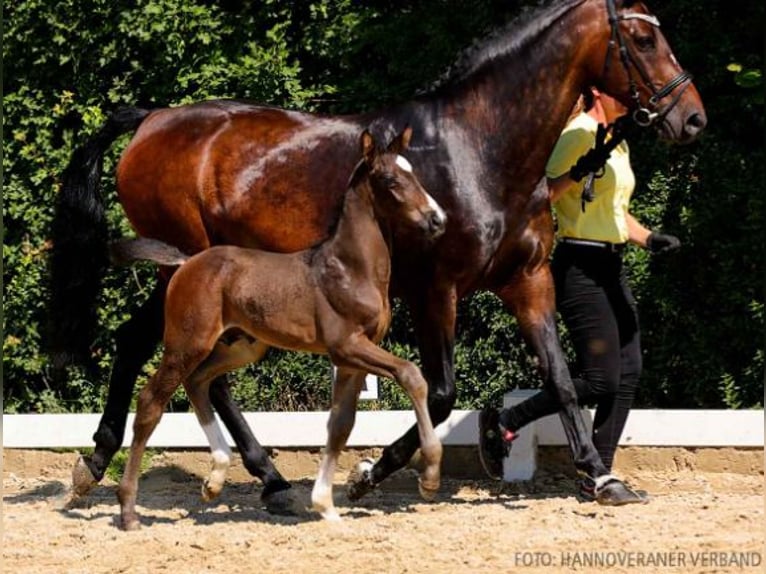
(694,125)
(682,133)
(435,224)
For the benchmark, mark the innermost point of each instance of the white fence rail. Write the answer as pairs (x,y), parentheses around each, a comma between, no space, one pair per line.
(693,428)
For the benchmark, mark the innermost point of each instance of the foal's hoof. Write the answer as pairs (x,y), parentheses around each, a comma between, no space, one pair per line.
(82,478)
(282,503)
(210,491)
(360,480)
(130,523)
(428,490)
(330,515)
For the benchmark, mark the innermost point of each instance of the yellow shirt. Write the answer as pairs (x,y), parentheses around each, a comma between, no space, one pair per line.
(604,219)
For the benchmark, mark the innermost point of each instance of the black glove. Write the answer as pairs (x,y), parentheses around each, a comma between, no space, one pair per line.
(662,243)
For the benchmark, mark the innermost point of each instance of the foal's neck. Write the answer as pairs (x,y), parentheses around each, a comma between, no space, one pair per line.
(358,240)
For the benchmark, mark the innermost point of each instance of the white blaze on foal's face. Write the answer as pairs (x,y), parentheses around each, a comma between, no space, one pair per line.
(403,163)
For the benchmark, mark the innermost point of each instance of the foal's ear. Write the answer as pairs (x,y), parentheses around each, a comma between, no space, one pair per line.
(368,147)
(402,141)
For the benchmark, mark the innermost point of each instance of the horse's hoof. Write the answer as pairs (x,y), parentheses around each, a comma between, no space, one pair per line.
(130,524)
(428,490)
(210,492)
(360,480)
(330,515)
(82,479)
(282,503)
(617,493)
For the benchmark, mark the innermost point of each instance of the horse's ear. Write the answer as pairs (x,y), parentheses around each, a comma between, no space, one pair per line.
(402,141)
(367,143)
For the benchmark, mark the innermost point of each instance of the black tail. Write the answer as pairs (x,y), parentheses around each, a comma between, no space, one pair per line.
(79,231)
(126,251)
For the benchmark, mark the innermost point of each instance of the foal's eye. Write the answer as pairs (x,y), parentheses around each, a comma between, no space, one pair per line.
(391,182)
(645,43)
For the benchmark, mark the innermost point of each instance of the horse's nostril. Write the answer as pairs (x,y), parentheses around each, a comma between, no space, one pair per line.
(433,224)
(695,123)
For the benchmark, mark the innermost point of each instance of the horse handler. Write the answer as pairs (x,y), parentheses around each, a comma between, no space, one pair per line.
(592,291)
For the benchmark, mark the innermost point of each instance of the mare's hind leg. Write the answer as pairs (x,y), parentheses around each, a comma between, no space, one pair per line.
(136,341)
(345,393)
(433,314)
(276,494)
(361,353)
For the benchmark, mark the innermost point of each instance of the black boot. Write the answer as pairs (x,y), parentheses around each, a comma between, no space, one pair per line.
(609,491)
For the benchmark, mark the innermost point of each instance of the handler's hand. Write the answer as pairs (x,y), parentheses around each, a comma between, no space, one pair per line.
(662,243)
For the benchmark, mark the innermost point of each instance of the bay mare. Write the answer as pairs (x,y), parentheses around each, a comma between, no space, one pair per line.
(239,173)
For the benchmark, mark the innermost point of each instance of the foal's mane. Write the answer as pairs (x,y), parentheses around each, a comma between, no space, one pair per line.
(505,41)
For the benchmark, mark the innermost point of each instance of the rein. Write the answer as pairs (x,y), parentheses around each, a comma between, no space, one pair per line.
(642,115)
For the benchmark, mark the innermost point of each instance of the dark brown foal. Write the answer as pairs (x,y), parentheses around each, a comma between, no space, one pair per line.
(330,299)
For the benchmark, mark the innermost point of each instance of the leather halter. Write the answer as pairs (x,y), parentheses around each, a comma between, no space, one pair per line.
(642,115)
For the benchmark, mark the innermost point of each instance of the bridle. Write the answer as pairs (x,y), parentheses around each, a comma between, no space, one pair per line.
(642,115)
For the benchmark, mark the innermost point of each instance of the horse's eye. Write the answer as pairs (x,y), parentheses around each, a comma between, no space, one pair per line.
(391,182)
(645,43)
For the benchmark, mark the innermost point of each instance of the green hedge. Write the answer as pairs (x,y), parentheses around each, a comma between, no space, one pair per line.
(68,63)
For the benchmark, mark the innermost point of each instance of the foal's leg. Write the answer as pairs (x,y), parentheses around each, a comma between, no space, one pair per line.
(345,393)
(136,341)
(219,449)
(152,401)
(361,353)
(222,359)
(433,314)
(530,296)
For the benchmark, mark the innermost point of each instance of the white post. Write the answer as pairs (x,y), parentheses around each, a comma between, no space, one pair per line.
(521,463)
(370,390)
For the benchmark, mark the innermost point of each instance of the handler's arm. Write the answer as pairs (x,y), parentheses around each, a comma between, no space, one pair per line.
(558,186)
(637,233)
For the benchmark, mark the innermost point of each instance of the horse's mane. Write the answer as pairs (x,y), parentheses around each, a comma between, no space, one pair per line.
(506,40)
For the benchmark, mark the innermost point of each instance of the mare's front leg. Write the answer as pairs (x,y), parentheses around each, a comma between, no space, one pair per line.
(345,394)
(433,313)
(530,297)
(136,341)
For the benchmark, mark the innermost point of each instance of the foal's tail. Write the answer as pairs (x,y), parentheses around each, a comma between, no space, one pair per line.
(127,251)
(79,232)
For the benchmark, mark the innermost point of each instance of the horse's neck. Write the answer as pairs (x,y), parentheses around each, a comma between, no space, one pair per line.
(358,241)
(514,107)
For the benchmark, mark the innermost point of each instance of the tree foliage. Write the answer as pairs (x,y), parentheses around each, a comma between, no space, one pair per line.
(68,63)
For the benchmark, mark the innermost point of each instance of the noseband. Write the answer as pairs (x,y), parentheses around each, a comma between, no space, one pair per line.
(642,115)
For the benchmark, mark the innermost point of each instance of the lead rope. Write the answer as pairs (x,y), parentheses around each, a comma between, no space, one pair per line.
(618,130)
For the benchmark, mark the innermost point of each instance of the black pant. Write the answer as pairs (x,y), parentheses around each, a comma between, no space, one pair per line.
(600,314)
